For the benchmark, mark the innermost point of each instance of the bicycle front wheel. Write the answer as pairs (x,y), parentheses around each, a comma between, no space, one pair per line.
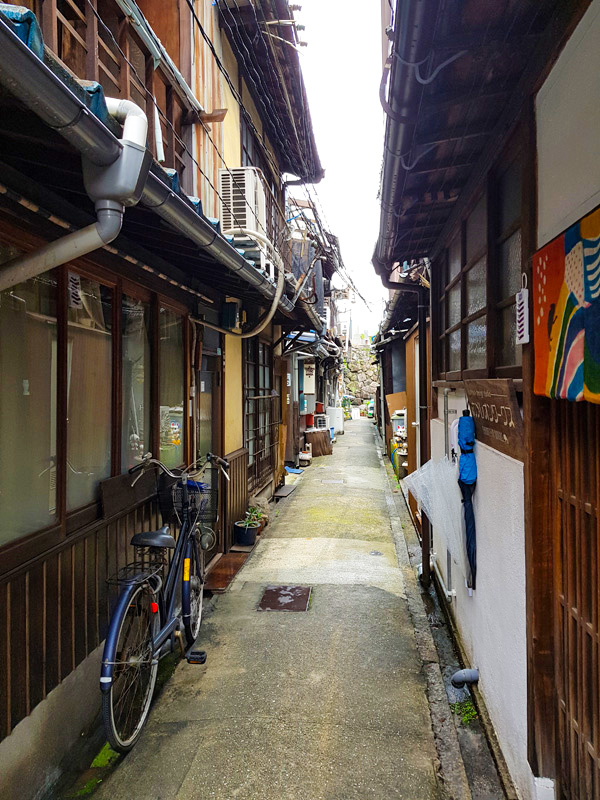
(192,591)
(126,706)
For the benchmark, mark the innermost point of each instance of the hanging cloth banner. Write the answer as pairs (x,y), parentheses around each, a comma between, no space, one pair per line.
(566,313)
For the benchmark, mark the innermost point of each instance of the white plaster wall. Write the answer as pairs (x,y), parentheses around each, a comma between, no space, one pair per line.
(568,121)
(492,621)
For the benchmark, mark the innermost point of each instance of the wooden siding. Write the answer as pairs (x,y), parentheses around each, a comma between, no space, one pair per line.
(55,610)
(576,498)
(236,493)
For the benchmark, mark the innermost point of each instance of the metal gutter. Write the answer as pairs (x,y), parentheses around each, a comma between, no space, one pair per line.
(31,81)
(161,199)
(390,311)
(414,26)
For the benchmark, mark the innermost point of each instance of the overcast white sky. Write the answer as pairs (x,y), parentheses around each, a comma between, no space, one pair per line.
(342,70)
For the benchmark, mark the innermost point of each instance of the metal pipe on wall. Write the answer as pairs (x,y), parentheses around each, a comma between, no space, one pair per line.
(446,442)
(423,308)
(382,402)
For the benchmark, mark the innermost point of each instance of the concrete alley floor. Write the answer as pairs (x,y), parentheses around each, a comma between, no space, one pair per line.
(327,704)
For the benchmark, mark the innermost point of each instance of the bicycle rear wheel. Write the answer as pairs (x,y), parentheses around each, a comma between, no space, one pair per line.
(126,705)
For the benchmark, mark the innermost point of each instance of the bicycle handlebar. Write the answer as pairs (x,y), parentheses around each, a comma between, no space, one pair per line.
(220,462)
(147,460)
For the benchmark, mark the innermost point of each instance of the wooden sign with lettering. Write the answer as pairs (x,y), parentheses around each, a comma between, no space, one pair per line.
(495,410)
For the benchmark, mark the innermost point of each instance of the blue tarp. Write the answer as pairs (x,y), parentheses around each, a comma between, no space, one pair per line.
(25,25)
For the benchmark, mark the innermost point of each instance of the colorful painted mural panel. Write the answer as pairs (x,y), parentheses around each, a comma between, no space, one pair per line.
(566,297)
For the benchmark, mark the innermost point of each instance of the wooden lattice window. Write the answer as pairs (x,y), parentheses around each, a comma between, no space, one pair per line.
(475,284)
(261,412)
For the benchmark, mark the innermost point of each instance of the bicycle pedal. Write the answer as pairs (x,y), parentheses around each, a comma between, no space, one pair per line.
(196,657)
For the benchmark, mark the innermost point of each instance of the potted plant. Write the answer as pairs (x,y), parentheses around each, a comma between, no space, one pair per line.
(245,530)
(257,515)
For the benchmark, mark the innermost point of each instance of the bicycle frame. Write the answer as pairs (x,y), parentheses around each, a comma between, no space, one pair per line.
(185,543)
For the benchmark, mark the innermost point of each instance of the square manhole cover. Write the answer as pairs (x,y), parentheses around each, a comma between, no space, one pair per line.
(285,598)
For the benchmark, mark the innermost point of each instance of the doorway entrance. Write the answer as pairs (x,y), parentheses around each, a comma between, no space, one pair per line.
(576,498)
(208,431)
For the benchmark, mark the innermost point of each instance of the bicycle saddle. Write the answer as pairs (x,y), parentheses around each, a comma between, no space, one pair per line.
(160,538)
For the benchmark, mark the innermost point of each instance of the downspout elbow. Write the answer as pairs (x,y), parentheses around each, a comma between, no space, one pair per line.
(111,186)
(463,676)
(110,220)
(131,117)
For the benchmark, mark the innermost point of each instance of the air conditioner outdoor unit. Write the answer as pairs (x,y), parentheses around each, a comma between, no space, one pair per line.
(242,202)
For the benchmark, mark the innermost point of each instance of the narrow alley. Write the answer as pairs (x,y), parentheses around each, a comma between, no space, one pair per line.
(330,703)
(299,400)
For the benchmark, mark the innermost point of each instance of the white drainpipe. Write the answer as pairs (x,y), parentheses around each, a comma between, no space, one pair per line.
(111,188)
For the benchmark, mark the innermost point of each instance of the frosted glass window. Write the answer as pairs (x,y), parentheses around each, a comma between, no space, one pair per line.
(477,229)
(135,431)
(476,344)
(510,353)
(510,265)
(454,258)
(171,392)
(89,388)
(28,358)
(476,287)
(510,196)
(454,351)
(454,305)
(442,354)
(250,389)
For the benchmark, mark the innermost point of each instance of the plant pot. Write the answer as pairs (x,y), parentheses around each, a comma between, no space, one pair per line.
(245,534)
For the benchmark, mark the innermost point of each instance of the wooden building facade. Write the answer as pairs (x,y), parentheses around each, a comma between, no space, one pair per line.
(495,167)
(132,348)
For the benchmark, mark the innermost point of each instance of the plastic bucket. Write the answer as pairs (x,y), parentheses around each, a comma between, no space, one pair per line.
(319,408)
(332,432)
(310,420)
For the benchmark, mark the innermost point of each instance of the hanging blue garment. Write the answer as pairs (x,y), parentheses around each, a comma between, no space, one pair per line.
(467,479)
(467,467)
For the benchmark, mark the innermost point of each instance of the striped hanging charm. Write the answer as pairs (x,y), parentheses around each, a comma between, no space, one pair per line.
(523,314)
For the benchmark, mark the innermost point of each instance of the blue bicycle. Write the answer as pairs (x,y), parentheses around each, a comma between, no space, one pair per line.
(146,619)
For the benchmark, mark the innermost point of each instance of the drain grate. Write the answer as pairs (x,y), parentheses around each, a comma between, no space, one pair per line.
(285,598)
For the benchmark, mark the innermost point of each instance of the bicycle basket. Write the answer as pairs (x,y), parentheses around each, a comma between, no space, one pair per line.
(202,499)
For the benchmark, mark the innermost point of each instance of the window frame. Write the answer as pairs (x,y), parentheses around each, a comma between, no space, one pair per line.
(162,302)
(500,237)
(76,522)
(495,304)
(264,458)
(143,295)
(87,512)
